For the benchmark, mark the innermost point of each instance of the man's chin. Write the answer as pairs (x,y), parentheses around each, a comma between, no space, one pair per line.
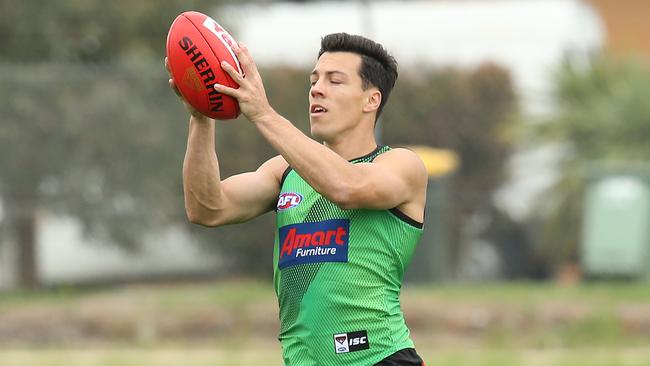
(318,134)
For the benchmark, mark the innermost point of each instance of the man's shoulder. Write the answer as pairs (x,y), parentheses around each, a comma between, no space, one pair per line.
(404,162)
(401,155)
(278,161)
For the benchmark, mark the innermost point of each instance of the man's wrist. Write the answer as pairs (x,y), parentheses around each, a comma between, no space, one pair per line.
(267,116)
(200,118)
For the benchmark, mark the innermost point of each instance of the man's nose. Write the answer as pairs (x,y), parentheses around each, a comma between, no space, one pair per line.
(316,90)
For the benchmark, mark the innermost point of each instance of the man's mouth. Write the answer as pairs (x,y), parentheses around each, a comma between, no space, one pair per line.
(317,109)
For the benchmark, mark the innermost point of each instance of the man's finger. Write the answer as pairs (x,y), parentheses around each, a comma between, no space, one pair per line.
(243,50)
(251,67)
(169,71)
(234,74)
(245,60)
(174,88)
(227,90)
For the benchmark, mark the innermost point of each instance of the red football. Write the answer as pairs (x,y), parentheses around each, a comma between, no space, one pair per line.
(196,45)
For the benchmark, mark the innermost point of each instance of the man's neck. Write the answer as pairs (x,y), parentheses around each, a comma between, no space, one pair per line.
(350,148)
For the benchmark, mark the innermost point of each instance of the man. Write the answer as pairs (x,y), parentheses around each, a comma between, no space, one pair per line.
(349,213)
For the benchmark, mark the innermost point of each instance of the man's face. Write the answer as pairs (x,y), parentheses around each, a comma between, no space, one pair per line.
(336,97)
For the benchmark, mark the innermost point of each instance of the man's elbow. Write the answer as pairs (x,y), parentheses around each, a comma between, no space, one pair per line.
(345,197)
(196,219)
(344,203)
(201,218)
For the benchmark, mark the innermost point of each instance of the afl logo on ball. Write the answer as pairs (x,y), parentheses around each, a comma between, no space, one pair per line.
(225,38)
(289,200)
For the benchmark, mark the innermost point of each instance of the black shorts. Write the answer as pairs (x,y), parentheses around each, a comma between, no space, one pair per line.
(405,357)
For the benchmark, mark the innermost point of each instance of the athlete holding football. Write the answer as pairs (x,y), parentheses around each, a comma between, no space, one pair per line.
(349,213)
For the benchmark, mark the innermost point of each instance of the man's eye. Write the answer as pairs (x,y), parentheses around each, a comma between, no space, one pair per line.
(337,82)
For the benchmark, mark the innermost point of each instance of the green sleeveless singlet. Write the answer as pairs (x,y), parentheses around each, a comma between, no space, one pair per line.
(338,275)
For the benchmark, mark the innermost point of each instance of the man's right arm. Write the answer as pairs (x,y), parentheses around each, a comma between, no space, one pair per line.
(209,201)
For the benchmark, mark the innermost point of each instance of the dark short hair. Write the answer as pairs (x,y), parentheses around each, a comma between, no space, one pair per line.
(378,67)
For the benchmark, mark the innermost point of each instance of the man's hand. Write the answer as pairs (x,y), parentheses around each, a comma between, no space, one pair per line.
(196,114)
(250,95)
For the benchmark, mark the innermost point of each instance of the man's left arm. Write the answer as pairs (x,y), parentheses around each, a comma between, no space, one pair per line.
(396,177)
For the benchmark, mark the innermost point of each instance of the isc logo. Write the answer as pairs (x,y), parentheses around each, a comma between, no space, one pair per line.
(351,342)
(289,200)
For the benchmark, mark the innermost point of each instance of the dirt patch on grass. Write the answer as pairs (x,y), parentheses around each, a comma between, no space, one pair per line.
(152,314)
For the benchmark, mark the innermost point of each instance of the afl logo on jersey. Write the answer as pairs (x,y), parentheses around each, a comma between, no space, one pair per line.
(289,200)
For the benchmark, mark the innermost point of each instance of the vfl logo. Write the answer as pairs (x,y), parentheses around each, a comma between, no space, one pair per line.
(341,343)
(313,242)
(351,342)
(289,200)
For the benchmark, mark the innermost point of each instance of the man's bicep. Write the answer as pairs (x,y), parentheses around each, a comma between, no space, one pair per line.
(249,195)
(255,193)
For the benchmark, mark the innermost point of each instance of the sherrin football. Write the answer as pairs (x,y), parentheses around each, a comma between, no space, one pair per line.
(196,45)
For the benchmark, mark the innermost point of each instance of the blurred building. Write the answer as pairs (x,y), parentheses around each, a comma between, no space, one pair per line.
(65,256)
(627,26)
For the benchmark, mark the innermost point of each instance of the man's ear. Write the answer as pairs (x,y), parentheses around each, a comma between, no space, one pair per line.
(373,100)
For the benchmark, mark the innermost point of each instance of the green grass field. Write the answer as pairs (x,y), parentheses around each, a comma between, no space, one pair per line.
(234,323)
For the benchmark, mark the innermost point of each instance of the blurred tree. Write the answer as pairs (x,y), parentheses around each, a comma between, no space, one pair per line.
(105,144)
(601,114)
(91,142)
(472,112)
(98,136)
(62,138)
(89,30)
